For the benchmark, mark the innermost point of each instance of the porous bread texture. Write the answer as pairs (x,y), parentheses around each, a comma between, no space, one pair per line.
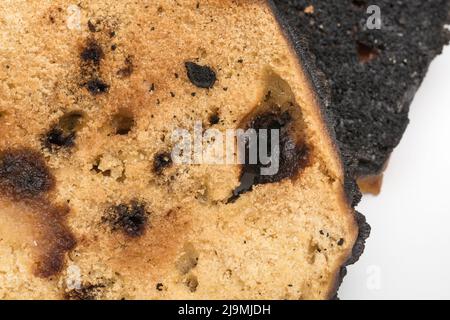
(97,105)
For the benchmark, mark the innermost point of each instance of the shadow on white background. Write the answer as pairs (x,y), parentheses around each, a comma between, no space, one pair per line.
(408,253)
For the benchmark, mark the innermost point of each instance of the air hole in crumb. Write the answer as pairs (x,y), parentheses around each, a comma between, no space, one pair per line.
(123,122)
(130,218)
(188,260)
(63,133)
(192,283)
(366,53)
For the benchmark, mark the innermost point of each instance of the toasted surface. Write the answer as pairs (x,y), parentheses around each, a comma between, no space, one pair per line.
(373,75)
(92,205)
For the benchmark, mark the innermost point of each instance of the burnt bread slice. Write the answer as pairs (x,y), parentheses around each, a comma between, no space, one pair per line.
(93,202)
(372,74)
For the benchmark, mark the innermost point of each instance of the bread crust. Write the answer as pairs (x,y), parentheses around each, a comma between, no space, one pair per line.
(351,194)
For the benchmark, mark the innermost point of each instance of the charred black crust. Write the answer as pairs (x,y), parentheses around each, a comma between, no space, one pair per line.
(358,249)
(321,88)
(364,153)
(371,119)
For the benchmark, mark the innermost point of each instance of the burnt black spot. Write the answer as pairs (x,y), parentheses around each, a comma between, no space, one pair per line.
(97,86)
(57,137)
(63,133)
(128,69)
(85,292)
(341,242)
(159,287)
(214,118)
(293,156)
(162,161)
(201,76)
(24,174)
(93,53)
(131,219)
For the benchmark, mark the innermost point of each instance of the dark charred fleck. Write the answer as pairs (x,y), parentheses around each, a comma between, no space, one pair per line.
(91,26)
(97,86)
(93,53)
(159,287)
(162,161)
(131,219)
(85,292)
(214,118)
(128,69)
(58,138)
(201,76)
(192,283)
(24,174)
(341,242)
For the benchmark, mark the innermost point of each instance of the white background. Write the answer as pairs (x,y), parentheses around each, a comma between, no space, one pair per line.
(408,253)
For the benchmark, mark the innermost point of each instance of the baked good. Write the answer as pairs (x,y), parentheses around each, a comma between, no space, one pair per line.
(372,74)
(93,203)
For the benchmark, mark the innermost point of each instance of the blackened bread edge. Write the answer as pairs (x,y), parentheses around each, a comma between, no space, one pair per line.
(318,83)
